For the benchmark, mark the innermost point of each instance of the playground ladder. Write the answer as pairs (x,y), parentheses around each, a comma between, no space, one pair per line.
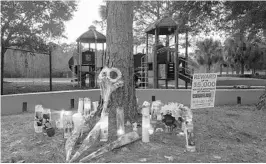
(144,72)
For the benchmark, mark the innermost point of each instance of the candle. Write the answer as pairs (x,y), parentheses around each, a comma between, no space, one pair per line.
(135,127)
(81,105)
(38,119)
(151,130)
(78,121)
(87,107)
(190,142)
(104,128)
(145,121)
(95,105)
(60,126)
(120,121)
(67,124)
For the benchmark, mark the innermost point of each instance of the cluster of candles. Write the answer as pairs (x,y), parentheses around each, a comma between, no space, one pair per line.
(149,115)
(74,122)
(176,110)
(42,121)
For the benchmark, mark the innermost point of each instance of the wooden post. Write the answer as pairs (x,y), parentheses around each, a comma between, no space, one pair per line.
(50,69)
(103,55)
(2,68)
(167,60)
(79,65)
(166,75)
(176,59)
(186,66)
(155,64)
(147,44)
(95,76)
(147,57)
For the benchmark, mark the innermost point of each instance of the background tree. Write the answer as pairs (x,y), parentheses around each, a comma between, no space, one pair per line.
(209,52)
(243,52)
(120,54)
(30,24)
(245,16)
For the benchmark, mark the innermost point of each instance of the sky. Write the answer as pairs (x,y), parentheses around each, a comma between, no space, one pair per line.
(87,12)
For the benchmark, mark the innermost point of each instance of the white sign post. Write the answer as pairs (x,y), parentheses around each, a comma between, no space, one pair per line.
(203,90)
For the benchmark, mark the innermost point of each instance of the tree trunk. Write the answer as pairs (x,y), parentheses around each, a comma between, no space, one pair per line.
(3,51)
(208,68)
(227,69)
(242,68)
(120,55)
(221,69)
(253,71)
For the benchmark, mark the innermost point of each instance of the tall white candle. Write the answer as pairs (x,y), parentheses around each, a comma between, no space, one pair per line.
(104,128)
(78,121)
(145,122)
(81,105)
(87,107)
(38,119)
(95,106)
(61,119)
(120,121)
(67,124)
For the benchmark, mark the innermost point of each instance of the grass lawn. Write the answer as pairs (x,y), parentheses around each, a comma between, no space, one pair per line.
(28,85)
(223,134)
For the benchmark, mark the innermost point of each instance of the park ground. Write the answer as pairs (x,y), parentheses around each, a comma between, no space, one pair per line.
(223,134)
(28,85)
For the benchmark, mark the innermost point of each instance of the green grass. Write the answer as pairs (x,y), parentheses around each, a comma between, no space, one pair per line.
(223,134)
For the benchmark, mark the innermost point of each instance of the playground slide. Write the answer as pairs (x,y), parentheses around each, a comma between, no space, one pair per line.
(185,77)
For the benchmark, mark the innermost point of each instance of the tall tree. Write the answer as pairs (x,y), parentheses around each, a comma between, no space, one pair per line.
(246,16)
(29,24)
(242,51)
(120,54)
(209,52)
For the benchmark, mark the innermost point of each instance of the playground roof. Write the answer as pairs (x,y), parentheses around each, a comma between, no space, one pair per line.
(92,36)
(166,25)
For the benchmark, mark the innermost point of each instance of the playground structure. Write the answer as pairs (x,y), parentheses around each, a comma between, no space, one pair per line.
(85,62)
(166,57)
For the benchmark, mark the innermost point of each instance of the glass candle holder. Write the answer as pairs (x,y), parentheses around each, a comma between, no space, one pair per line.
(120,121)
(145,121)
(38,119)
(104,128)
(67,124)
(81,105)
(87,107)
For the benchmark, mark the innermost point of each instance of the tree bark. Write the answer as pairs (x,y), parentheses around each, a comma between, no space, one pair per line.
(242,68)
(3,51)
(221,69)
(119,54)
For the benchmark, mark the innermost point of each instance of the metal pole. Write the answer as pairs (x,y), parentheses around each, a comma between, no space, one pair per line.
(155,64)
(103,54)
(2,69)
(176,59)
(80,63)
(50,65)
(95,77)
(186,54)
(147,57)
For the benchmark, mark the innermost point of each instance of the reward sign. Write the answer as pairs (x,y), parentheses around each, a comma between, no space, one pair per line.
(203,90)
